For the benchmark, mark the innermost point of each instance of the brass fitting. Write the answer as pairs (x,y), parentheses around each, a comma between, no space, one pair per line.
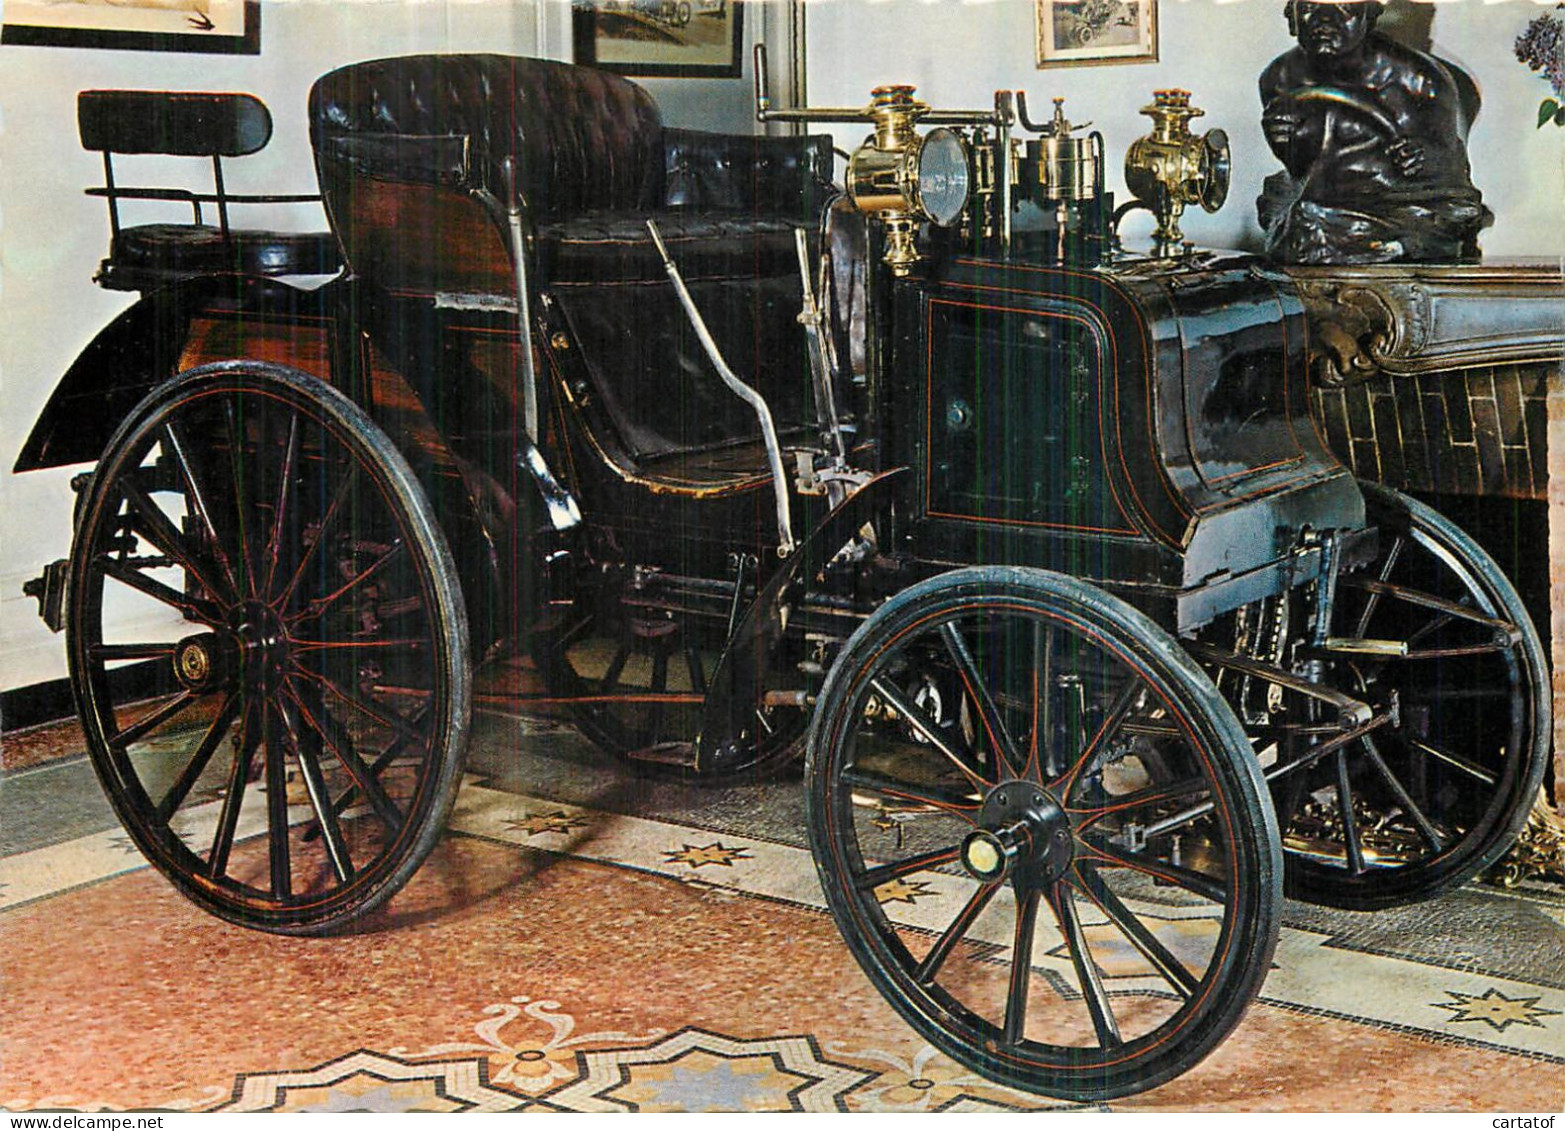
(1171,167)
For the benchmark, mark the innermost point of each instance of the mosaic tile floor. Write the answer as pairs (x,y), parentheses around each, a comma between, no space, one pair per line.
(584,941)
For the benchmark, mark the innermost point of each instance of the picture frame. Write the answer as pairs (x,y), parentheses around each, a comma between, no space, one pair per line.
(218,27)
(1078,32)
(660,38)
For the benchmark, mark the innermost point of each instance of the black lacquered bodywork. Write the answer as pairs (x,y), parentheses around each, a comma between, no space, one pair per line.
(1143,423)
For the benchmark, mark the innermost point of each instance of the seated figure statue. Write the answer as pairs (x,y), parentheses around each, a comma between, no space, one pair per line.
(1373,137)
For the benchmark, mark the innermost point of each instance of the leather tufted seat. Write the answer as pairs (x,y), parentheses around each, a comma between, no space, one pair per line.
(164,252)
(589,154)
(417,158)
(200,125)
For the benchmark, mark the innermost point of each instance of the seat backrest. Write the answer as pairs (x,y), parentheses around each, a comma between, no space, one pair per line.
(580,139)
(179,123)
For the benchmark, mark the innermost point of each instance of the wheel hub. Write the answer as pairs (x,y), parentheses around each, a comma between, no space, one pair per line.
(260,640)
(1022,831)
(204,661)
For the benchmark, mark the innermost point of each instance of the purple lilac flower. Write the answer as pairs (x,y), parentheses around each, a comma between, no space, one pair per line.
(1542,48)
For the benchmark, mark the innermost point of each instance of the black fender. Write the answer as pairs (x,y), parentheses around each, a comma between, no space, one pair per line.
(732,691)
(140,349)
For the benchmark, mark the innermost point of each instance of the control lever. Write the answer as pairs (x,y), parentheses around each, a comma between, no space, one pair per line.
(513,216)
(813,319)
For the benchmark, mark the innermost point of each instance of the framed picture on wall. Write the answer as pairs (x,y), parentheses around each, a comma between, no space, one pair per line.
(224,27)
(675,38)
(1096,31)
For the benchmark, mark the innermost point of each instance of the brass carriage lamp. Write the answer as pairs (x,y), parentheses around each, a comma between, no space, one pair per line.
(1171,167)
(904,177)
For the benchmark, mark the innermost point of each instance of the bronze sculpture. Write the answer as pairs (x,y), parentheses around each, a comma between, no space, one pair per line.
(1373,138)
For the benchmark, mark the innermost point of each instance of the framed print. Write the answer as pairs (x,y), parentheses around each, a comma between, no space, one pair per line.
(1096,31)
(223,27)
(675,38)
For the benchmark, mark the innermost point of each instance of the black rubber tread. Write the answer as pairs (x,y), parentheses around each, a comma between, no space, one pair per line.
(1232,980)
(1484,843)
(369,890)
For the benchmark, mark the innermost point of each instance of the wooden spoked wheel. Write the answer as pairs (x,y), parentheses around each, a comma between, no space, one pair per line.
(1042,833)
(1451,663)
(635,674)
(268,648)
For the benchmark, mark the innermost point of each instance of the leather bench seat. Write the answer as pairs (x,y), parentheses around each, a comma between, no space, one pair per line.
(419,158)
(173,251)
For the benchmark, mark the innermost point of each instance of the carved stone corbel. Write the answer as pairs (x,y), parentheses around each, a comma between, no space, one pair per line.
(1349,326)
(1424,318)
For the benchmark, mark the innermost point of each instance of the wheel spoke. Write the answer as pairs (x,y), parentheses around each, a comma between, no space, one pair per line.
(1163,960)
(929,968)
(341,745)
(1350,826)
(1000,742)
(963,805)
(1109,856)
(320,605)
(1428,630)
(238,778)
(1141,798)
(1455,761)
(1042,704)
(872,878)
(277,807)
(697,674)
(149,723)
(197,765)
(322,532)
(156,527)
(105,653)
(1118,712)
(1063,904)
(127,574)
(198,495)
(306,752)
(385,716)
(416,644)
(1386,567)
(1421,821)
(617,665)
(1458,610)
(280,513)
(930,730)
(381,761)
(659,685)
(242,500)
(1021,965)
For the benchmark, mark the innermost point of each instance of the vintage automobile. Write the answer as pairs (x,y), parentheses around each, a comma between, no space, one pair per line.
(1025,538)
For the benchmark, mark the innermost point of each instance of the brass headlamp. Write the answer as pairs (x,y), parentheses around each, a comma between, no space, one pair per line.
(904,177)
(1171,167)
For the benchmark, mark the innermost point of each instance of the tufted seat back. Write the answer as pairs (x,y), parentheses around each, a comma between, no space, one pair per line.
(582,140)
(413,155)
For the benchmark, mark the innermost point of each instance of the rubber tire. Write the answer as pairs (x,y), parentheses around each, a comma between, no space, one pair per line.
(1166,666)
(371,444)
(1380,888)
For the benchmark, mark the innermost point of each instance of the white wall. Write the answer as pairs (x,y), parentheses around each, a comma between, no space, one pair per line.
(958,54)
